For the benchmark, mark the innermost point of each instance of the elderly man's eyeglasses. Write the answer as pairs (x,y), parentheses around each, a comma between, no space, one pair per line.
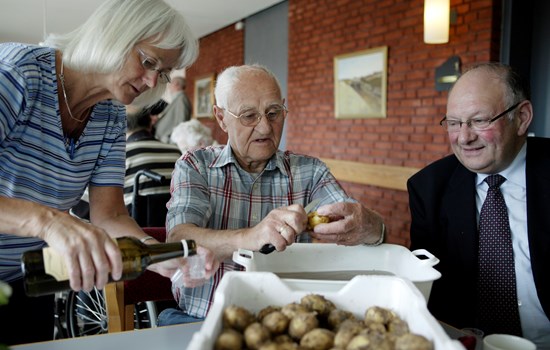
(477,124)
(252,117)
(151,64)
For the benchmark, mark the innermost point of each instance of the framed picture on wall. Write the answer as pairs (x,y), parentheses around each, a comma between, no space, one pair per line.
(360,81)
(204,96)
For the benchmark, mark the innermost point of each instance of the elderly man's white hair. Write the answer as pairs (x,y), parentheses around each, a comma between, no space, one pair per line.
(232,75)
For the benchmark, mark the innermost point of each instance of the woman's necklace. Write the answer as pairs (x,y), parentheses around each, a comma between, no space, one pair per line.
(62,80)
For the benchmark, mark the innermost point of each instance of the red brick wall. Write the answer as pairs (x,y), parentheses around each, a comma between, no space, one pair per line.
(410,135)
(218,51)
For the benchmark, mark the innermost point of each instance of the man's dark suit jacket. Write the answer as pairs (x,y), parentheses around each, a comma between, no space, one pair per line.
(443,209)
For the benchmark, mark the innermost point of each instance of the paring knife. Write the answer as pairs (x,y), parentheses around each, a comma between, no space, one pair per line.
(268,248)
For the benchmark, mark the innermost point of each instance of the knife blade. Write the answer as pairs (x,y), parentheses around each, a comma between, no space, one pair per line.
(308,208)
(268,248)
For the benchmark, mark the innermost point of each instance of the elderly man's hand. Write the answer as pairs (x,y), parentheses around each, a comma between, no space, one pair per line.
(169,267)
(280,227)
(350,224)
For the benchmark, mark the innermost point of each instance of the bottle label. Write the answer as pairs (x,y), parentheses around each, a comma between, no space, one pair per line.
(54,264)
(185,248)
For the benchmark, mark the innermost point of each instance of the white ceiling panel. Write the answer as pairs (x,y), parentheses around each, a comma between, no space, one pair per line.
(29,20)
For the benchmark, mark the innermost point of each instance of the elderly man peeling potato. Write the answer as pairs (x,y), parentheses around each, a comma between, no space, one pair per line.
(249,194)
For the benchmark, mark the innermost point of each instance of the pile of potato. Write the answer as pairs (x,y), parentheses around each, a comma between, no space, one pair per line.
(315,323)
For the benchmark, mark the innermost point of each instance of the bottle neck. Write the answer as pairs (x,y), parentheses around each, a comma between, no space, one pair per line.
(45,272)
(165,251)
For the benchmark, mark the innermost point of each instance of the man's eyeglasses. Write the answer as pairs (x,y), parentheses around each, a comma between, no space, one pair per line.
(253,117)
(151,64)
(477,124)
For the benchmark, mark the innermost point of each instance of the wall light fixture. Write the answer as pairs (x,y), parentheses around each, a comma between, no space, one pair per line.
(436,21)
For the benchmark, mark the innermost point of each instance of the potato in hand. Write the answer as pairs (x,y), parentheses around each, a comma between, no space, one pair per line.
(313,219)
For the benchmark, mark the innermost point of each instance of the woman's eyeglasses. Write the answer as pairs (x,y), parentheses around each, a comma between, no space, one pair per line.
(151,64)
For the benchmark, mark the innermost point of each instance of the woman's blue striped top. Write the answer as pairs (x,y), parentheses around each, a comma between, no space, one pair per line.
(37,162)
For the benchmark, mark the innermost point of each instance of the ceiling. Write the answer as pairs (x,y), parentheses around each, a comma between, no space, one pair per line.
(28,20)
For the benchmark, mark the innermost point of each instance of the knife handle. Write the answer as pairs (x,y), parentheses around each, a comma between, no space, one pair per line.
(267,248)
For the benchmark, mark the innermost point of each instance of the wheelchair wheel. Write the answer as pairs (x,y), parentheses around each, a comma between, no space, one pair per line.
(86,314)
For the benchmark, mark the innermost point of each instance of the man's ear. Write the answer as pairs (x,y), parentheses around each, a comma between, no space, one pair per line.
(218,114)
(525,117)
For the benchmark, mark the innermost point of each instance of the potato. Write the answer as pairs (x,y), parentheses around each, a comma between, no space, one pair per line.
(376,314)
(269,346)
(237,317)
(364,341)
(317,303)
(398,327)
(283,338)
(276,322)
(378,329)
(290,310)
(382,344)
(337,316)
(348,329)
(359,342)
(255,335)
(229,339)
(318,338)
(276,346)
(313,219)
(412,341)
(301,324)
(376,341)
(267,310)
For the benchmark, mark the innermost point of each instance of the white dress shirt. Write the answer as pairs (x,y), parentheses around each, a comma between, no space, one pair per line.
(534,323)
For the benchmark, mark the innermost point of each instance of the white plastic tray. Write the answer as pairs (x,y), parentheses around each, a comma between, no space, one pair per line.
(322,257)
(256,290)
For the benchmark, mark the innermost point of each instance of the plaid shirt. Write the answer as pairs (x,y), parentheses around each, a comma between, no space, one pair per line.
(210,189)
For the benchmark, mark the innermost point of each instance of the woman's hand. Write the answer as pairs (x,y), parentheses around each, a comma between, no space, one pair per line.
(90,254)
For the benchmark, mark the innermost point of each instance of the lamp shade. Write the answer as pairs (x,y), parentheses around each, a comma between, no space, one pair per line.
(436,21)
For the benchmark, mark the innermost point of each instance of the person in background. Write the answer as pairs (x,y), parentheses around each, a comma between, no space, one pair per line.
(192,134)
(143,151)
(155,111)
(248,193)
(488,115)
(177,111)
(63,128)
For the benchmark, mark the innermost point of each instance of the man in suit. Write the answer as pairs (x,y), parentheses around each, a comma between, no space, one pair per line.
(488,115)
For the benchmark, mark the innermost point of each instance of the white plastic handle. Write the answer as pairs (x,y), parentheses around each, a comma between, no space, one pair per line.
(243,257)
(431,261)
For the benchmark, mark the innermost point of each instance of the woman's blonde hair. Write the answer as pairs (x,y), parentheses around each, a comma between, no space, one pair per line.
(103,43)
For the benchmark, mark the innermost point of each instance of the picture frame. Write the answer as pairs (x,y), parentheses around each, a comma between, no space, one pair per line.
(203,98)
(360,84)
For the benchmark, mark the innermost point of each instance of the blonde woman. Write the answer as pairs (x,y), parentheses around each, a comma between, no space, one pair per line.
(62,128)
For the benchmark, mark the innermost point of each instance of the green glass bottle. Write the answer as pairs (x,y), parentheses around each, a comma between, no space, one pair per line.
(44,270)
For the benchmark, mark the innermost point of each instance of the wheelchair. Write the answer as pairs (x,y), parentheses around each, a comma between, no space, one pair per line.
(79,314)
